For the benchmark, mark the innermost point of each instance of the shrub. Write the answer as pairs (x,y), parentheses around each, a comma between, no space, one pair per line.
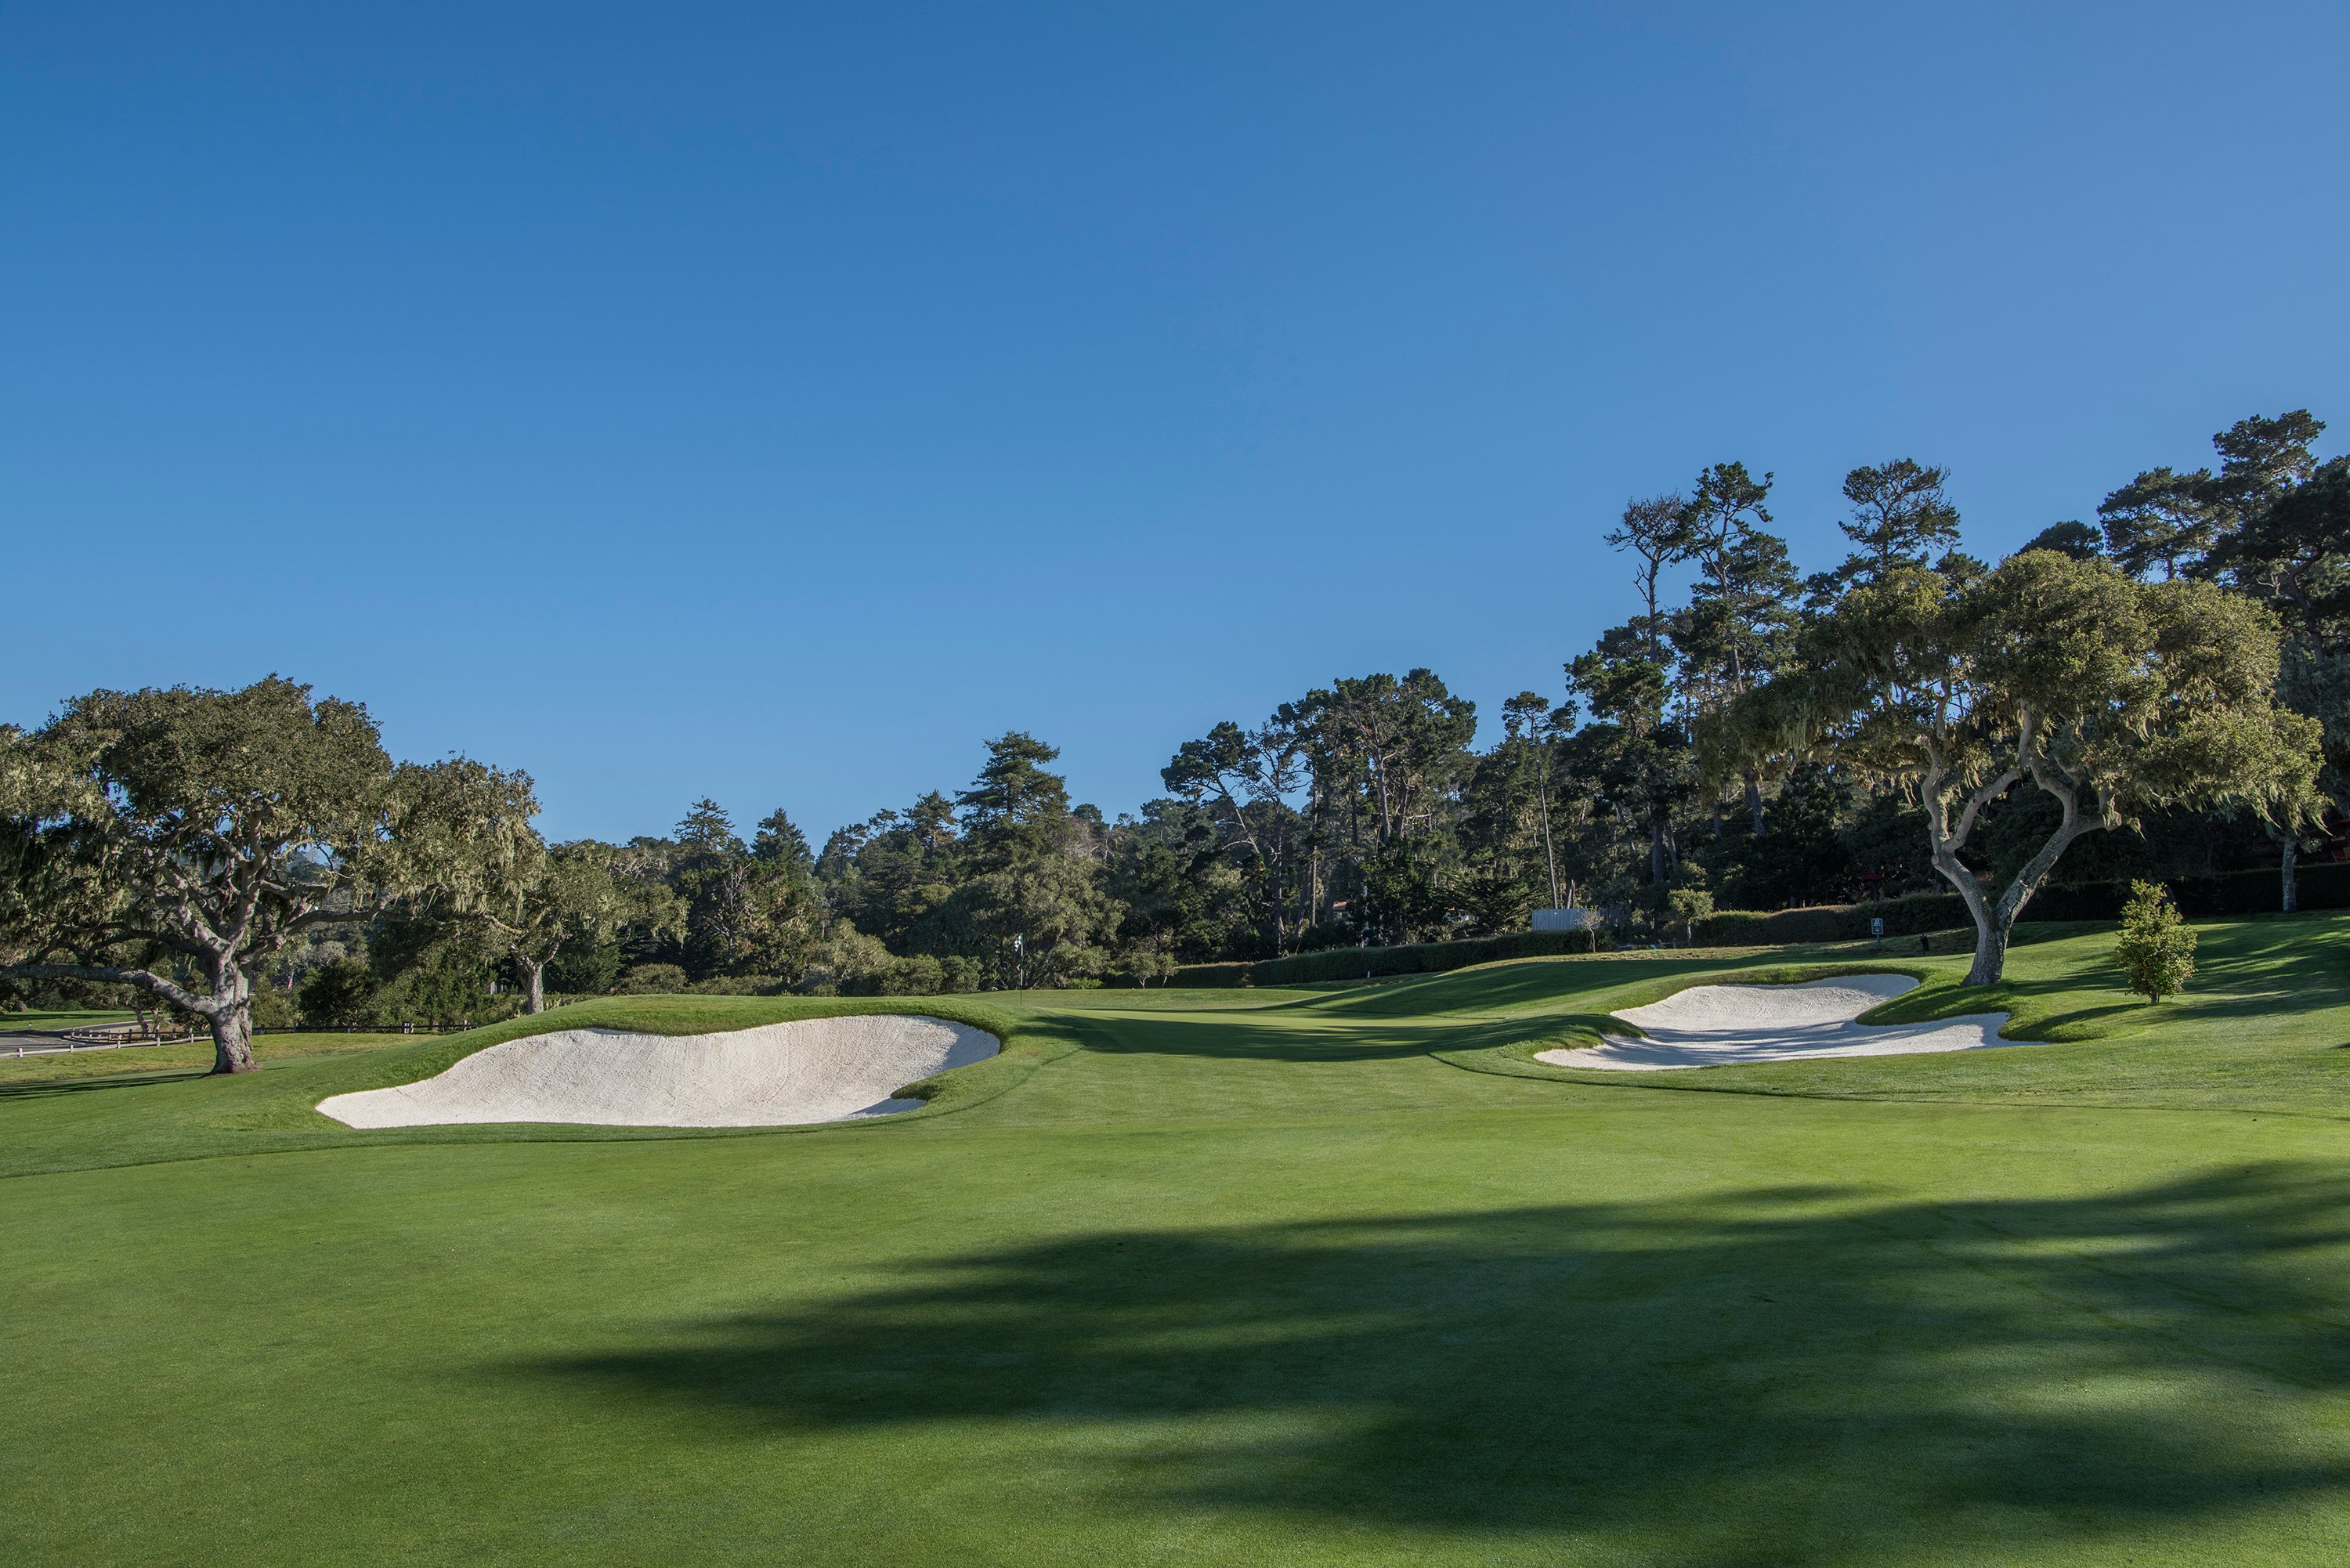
(449,984)
(585,971)
(339,995)
(273,1009)
(653,980)
(847,962)
(1143,965)
(1686,906)
(739,985)
(2155,949)
(920,975)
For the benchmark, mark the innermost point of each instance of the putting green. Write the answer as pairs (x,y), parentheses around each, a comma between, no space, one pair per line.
(1336,1277)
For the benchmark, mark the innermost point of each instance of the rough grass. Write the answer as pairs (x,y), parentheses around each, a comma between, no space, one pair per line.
(1233,1277)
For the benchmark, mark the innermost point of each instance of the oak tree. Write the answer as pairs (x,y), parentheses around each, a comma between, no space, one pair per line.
(172,840)
(2109,695)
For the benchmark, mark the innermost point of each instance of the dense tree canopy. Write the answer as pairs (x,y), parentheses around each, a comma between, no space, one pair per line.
(2110,696)
(169,840)
(1908,718)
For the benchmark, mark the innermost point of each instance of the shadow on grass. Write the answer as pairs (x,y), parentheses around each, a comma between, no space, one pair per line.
(1284,1039)
(129,1078)
(2282,963)
(1778,1375)
(1521,983)
(1274,1040)
(2080,1022)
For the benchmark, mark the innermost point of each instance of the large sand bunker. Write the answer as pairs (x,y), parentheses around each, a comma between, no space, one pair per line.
(779,1074)
(1719,1025)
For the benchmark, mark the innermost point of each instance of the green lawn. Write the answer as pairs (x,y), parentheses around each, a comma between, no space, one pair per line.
(179,1059)
(69,1018)
(1231,1277)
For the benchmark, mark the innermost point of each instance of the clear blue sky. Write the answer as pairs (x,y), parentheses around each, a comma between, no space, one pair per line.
(771,402)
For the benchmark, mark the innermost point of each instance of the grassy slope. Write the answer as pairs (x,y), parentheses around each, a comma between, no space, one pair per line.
(2263,1029)
(1231,1278)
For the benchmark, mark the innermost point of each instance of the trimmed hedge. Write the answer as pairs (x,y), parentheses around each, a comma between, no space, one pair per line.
(2323,884)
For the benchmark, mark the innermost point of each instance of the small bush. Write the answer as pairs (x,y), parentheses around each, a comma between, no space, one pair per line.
(1143,966)
(2155,949)
(653,980)
(1686,906)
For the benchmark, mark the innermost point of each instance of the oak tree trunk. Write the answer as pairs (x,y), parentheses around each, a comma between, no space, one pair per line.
(232,1039)
(229,1011)
(1990,941)
(1995,923)
(1991,951)
(534,973)
(231,1017)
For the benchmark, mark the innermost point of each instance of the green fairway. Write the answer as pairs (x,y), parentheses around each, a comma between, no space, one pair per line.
(1333,1276)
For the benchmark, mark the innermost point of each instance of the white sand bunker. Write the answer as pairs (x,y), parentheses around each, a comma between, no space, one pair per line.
(1719,1025)
(779,1074)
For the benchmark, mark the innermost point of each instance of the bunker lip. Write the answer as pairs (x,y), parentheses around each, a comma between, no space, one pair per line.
(777,1075)
(1727,1025)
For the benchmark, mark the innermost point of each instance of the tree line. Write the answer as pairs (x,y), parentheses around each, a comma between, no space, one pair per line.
(1751,737)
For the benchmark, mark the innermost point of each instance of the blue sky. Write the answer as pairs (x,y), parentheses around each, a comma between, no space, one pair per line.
(772,402)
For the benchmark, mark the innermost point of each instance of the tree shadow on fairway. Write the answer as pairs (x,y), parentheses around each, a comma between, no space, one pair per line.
(2078,1023)
(136,1079)
(1280,1040)
(1499,987)
(1240,1038)
(1771,1375)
